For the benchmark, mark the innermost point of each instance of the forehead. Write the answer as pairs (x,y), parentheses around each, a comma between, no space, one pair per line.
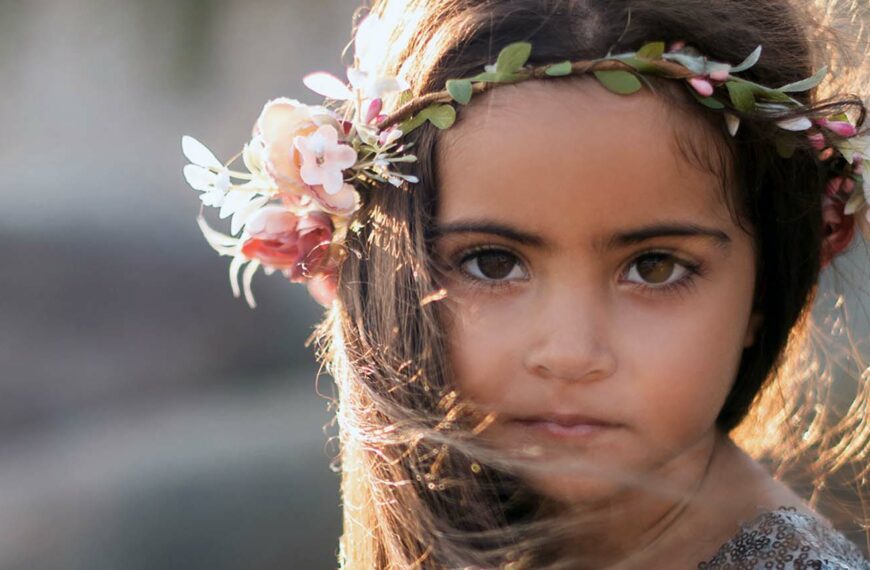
(572,156)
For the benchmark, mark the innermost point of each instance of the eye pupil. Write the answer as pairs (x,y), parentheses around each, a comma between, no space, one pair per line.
(656,268)
(495,265)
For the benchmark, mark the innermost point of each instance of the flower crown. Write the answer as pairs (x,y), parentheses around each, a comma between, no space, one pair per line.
(306,165)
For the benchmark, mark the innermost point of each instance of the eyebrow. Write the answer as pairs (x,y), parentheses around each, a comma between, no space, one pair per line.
(614,241)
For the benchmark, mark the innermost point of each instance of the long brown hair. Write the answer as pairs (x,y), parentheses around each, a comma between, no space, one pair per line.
(418,491)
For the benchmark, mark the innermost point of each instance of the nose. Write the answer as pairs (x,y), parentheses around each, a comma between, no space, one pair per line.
(570,338)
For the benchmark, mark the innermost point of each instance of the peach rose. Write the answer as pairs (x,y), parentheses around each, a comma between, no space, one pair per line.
(298,246)
(280,122)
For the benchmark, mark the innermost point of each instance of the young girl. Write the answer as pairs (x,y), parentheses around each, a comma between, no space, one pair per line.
(568,330)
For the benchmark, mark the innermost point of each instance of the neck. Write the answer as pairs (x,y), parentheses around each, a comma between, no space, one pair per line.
(639,521)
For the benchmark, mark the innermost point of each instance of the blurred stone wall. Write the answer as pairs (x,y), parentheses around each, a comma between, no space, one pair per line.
(147,418)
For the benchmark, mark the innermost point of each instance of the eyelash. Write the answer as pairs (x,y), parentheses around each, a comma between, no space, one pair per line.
(693,270)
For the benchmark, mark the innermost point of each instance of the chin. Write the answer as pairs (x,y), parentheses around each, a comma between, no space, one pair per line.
(575,485)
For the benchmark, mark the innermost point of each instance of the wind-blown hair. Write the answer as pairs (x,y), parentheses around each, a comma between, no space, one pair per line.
(418,490)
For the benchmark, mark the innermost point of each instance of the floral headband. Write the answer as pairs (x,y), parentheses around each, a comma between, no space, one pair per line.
(306,165)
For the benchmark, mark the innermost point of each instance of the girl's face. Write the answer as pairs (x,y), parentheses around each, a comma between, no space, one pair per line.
(601,293)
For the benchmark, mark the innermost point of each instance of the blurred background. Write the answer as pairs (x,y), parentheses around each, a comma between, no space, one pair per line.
(147,418)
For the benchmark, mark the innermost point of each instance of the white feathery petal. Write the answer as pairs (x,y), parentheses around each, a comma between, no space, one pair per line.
(394,136)
(197,153)
(222,181)
(327,85)
(252,154)
(384,85)
(235,267)
(796,124)
(733,122)
(235,200)
(854,203)
(357,77)
(218,241)
(247,277)
(241,215)
(199,178)
(212,198)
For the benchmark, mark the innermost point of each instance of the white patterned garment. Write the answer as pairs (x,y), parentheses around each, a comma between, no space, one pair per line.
(785,539)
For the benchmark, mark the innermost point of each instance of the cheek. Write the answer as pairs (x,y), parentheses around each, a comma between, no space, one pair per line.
(689,368)
(484,349)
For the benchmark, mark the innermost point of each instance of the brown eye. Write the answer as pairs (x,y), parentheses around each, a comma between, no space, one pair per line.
(657,269)
(493,265)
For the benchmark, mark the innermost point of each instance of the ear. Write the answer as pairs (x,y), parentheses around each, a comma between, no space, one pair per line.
(755,321)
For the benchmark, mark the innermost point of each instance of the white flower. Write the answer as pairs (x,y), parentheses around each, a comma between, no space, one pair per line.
(324,159)
(206,174)
(796,124)
(375,86)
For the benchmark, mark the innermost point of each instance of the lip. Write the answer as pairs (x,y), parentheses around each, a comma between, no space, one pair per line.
(564,426)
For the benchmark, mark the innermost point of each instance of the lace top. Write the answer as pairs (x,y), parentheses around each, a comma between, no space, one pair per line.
(785,539)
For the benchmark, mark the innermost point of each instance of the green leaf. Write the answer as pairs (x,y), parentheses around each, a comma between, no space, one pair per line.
(621,82)
(710,102)
(856,200)
(442,116)
(805,84)
(412,123)
(749,61)
(513,57)
(741,96)
(652,50)
(770,94)
(785,147)
(559,69)
(460,90)
(487,76)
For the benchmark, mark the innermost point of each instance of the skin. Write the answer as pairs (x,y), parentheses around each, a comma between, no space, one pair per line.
(573,187)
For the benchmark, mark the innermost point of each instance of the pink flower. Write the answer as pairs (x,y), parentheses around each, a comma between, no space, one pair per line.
(839,229)
(324,159)
(280,239)
(840,185)
(324,287)
(817,141)
(720,75)
(706,84)
(844,129)
(343,203)
(833,186)
(702,85)
(280,122)
(374,110)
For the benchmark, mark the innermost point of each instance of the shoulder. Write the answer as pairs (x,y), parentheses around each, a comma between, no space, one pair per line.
(789,540)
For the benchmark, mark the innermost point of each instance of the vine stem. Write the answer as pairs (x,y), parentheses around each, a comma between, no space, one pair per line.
(666,69)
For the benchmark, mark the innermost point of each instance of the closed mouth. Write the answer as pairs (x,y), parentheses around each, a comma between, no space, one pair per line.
(564,425)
